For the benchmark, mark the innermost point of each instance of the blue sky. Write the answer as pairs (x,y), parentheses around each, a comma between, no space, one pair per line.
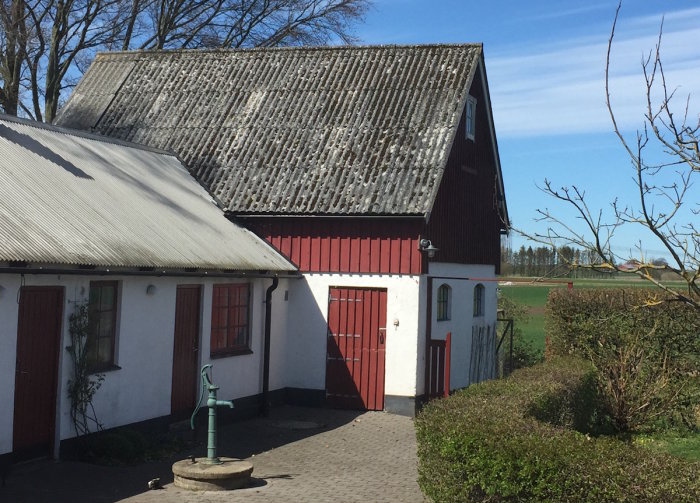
(545,62)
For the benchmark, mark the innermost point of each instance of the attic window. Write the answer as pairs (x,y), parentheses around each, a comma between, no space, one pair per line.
(470,126)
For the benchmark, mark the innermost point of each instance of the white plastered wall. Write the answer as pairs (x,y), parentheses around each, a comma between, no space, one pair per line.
(462,279)
(307,329)
(141,388)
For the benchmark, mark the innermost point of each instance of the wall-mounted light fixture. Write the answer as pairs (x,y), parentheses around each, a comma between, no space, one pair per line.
(426,246)
(150,289)
(2,291)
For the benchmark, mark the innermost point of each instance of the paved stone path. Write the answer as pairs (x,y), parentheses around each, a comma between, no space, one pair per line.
(299,455)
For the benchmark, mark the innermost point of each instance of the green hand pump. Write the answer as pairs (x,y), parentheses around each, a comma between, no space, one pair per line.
(212,403)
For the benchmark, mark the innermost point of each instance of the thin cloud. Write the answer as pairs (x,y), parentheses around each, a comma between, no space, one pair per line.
(559,89)
(558,14)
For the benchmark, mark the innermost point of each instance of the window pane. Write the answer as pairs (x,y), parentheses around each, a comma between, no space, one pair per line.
(241,338)
(107,298)
(105,326)
(104,351)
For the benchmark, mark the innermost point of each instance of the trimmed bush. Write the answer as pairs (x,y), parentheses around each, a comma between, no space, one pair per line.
(517,440)
(647,356)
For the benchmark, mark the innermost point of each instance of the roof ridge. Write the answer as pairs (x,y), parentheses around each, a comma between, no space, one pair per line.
(302,48)
(82,134)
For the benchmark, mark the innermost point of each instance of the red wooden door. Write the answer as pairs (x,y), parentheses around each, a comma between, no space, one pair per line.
(186,349)
(356,348)
(36,370)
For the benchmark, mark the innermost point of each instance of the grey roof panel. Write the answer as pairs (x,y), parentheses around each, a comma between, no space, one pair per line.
(341,130)
(68,198)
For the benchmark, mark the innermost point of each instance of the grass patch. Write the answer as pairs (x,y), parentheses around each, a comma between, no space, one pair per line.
(682,446)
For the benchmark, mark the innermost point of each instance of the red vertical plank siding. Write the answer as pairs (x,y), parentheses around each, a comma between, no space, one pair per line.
(416,256)
(305,254)
(355,254)
(275,241)
(395,258)
(335,254)
(345,245)
(374,254)
(315,254)
(384,255)
(344,254)
(325,262)
(286,245)
(406,256)
(364,254)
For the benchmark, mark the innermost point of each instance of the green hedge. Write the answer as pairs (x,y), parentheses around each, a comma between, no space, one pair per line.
(647,356)
(514,440)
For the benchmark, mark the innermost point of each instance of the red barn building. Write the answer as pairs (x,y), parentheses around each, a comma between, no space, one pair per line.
(375,170)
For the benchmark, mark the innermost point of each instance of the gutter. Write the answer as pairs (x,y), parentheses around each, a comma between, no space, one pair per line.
(265,407)
(155,273)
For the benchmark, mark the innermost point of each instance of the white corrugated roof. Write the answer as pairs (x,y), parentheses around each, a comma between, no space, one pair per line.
(71,198)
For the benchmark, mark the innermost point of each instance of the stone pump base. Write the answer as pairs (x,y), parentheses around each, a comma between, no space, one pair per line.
(200,475)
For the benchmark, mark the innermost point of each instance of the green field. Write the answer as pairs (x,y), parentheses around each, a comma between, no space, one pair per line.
(533,294)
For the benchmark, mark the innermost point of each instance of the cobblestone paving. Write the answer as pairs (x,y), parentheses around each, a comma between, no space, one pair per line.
(299,454)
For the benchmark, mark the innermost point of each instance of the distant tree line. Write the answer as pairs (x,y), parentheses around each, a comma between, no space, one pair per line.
(544,261)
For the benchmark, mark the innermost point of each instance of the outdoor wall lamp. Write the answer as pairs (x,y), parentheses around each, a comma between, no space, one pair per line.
(425,245)
(150,289)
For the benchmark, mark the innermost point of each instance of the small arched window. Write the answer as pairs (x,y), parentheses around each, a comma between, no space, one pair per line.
(443,302)
(479,300)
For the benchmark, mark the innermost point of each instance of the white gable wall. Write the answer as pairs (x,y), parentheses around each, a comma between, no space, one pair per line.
(462,279)
(308,328)
(141,388)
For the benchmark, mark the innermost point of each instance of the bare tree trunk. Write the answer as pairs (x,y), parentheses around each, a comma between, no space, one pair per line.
(14,26)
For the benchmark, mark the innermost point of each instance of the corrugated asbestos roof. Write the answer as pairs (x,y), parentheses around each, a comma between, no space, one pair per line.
(68,198)
(342,130)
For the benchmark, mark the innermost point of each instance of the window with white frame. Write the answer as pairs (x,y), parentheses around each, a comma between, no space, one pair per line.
(443,302)
(470,126)
(479,300)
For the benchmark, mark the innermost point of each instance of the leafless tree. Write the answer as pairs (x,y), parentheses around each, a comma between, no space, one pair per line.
(665,158)
(46,44)
(13,39)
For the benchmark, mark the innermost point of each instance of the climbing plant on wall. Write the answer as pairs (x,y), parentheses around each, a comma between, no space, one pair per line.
(84,384)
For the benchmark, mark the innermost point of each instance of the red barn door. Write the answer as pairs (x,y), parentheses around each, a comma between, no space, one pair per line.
(186,349)
(36,370)
(356,348)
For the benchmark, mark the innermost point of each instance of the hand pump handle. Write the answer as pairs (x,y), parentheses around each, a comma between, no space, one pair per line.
(206,384)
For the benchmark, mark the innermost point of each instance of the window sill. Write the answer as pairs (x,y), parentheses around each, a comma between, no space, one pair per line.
(443,319)
(231,352)
(106,368)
